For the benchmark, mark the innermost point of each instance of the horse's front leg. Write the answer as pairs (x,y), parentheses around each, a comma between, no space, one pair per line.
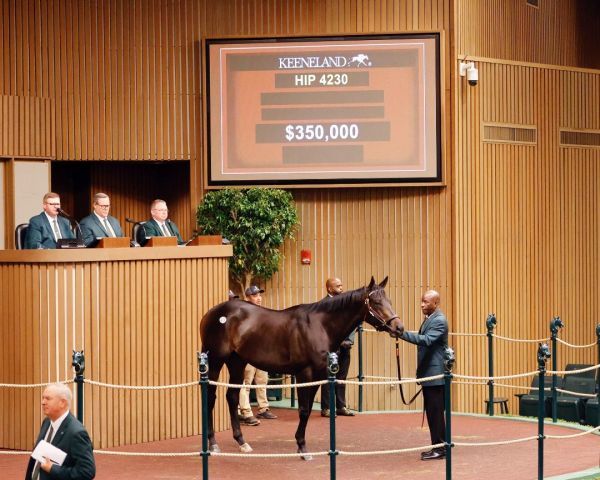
(306,398)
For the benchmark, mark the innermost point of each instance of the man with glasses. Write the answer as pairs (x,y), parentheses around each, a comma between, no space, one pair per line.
(48,227)
(160,225)
(100,224)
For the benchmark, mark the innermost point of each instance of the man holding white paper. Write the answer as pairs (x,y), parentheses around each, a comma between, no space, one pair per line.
(63,447)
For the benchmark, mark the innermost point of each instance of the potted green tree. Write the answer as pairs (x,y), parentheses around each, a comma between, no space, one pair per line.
(256,221)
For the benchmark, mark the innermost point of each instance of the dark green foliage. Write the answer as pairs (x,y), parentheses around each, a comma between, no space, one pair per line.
(256,221)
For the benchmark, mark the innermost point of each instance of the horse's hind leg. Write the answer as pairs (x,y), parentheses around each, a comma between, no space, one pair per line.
(236,368)
(213,374)
(306,398)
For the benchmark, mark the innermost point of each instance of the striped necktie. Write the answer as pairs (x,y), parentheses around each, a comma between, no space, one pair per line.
(107,228)
(56,229)
(166,230)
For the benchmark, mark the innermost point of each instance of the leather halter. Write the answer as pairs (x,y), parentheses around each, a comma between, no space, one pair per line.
(383,324)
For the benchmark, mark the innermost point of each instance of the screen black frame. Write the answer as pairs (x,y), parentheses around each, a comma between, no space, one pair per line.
(308,182)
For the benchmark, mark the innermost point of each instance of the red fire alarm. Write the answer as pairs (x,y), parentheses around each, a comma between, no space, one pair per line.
(305,257)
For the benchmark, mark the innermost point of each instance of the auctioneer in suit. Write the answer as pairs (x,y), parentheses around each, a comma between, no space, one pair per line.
(153,229)
(40,233)
(93,229)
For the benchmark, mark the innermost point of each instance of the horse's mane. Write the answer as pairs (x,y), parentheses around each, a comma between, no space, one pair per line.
(337,302)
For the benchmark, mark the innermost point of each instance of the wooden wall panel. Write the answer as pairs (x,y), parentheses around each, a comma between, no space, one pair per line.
(138,324)
(26,126)
(559,32)
(526,218)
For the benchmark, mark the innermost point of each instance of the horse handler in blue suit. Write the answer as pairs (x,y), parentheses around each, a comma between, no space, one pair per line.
(431,341)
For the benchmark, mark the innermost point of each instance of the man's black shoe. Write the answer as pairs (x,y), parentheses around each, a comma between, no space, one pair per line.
(428,452)
(325,413)
(344,412)
(433,455)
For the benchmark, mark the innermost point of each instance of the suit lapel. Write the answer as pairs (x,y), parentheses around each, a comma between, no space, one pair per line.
(58,436)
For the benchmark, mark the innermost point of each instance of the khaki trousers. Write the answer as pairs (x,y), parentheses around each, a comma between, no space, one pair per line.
(260,377)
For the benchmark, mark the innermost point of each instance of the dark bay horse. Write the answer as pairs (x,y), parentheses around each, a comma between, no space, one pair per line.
(292,341)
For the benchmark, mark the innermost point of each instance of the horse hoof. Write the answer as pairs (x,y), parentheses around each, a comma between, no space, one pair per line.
(245,448)
(305,456)
(214,448)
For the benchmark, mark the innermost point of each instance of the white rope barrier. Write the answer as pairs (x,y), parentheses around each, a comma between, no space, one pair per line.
(519,340)
(140,387)
(575,346)
(147,454)
(284,385)
(488,444)
(519,387)
(14,452)
(580,434)
(32,385)
(573,372)
(268,455)
(392,382)
(502,377)
(577,394)
(388,452)
(378,378)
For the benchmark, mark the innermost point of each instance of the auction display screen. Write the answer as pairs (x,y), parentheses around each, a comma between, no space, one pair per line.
(323,110)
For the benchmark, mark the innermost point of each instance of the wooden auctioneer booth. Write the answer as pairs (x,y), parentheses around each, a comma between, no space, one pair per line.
(134,311)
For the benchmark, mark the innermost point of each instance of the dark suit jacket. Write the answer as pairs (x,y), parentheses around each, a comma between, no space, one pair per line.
(92,229)
(73,439)
(431,341)
(153,229)
(40,235)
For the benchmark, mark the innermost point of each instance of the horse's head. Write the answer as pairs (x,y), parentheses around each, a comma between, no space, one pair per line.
(381,314)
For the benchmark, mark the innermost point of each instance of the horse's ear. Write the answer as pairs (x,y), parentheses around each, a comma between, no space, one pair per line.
(384,282)
(371,284)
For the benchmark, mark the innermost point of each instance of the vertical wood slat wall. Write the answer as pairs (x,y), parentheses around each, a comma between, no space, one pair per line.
(137,322)
(125,80)
(525,222)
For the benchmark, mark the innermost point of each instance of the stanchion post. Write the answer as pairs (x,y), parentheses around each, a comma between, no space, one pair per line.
(490,324)
(542,356)
(598,374)
(361,373)
(203,370)
(79,367)
(555,325)
(448,364)
(332,368)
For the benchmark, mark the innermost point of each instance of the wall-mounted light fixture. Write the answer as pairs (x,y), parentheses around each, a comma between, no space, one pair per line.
(469,70)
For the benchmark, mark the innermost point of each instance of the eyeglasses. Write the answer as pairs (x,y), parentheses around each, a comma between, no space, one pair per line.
(103,206)
(160,209)
(53,204)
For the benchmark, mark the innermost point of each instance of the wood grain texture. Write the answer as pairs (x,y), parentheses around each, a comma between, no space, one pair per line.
(136,319)
(118,82)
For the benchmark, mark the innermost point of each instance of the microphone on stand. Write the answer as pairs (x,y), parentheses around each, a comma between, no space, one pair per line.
(78,234)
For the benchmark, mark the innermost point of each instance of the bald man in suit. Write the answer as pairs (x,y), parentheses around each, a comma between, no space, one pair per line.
(64,431)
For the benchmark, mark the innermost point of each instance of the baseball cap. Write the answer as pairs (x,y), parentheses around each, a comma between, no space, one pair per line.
(232,295)
(253,290)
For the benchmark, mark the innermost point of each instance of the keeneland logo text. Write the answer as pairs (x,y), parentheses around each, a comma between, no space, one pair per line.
(360,60)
